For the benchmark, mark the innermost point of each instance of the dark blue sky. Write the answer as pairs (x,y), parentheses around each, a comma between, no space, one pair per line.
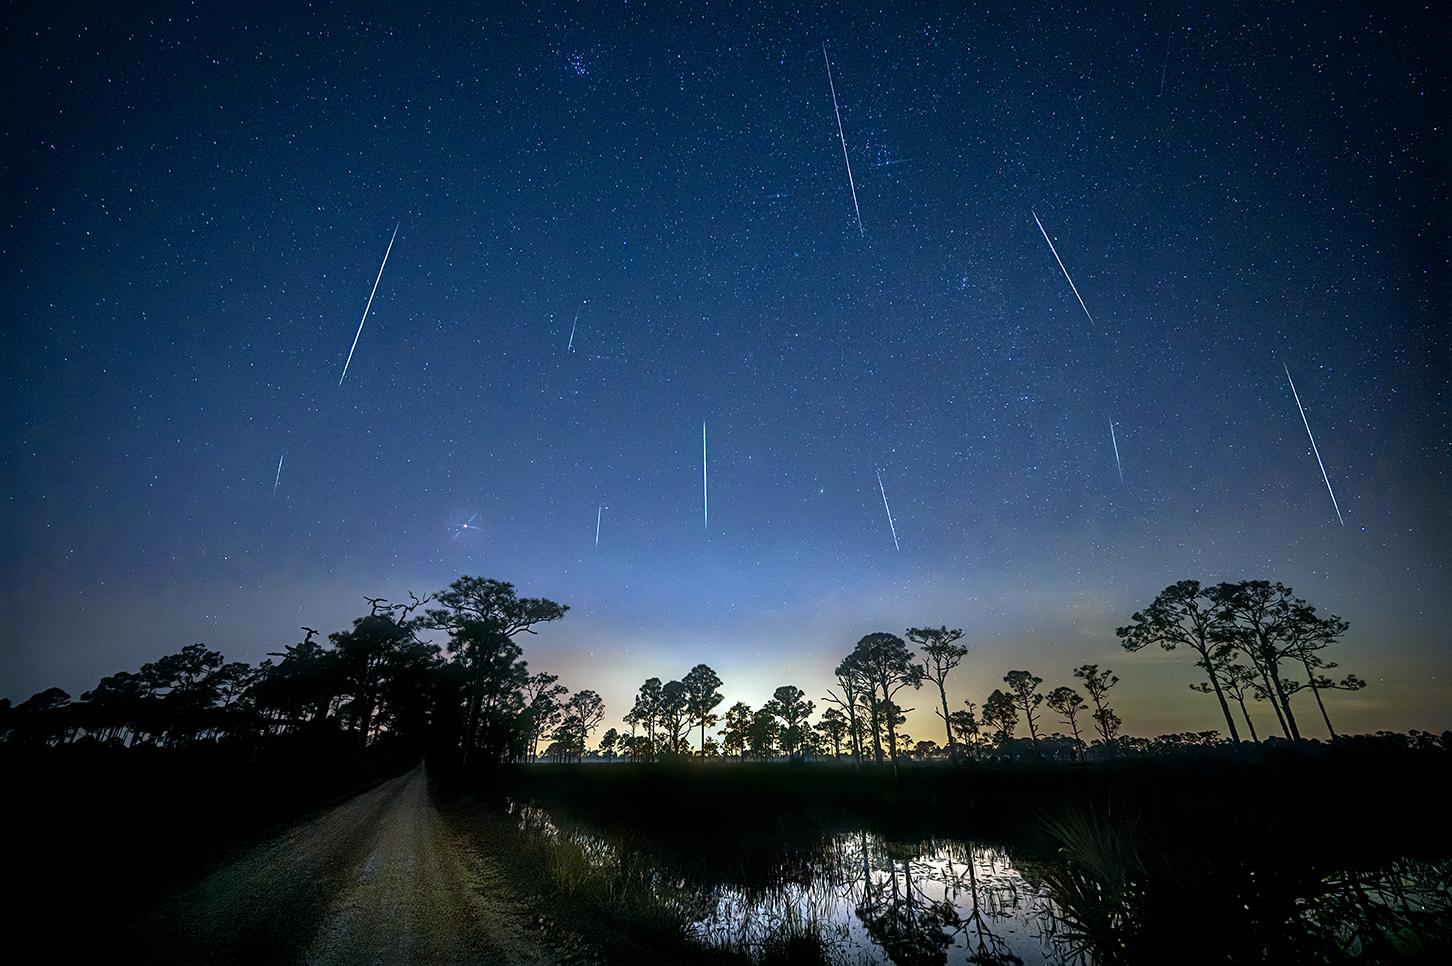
(198,202)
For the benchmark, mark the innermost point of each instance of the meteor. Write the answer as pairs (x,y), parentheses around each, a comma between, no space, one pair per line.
(1062,268)
(571,347)
(1117,464)
(1314,448)
(598,512)
(892,526)
(278,478)
(705,496)
(1166,64)
(843,138)
(369,305)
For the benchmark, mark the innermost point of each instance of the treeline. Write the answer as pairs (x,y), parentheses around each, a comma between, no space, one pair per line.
(472,697)
(1250,639)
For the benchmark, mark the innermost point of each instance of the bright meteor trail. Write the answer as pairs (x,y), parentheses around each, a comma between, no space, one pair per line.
(705,497)
(1314,448)
(1062,268)
(843,138)
(892,526)
(278,478)
(571,347)
(369,305)
(1113,439)
(598,512)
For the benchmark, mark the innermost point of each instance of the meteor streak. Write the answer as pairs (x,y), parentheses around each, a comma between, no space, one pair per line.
(278,478)
(1117,464)
(598,512)
(843,138)
(1165,66)
(1314,448)
(892,526)
(705,496)
(369,305)
(571,347)
(1062,268)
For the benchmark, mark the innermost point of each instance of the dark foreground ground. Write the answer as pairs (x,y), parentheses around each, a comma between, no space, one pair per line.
(190,862)
(1279,855)
(380,878)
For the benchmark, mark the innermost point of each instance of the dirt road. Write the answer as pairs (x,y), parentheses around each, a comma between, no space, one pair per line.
(378,879)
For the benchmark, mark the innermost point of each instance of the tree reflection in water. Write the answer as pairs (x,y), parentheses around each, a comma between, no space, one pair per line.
(1104,898)
(877,901)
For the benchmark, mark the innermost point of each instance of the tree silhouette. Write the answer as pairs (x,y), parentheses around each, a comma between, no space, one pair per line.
(378,685)
(406,692)
(789,703)
(833,727)
(702,696)
(894,717)
(1309,636)
(1023,688)
(886,665)
(298,692)
(1067,703)
(185,687)
(365,656)
(1001,715)
(672,714)
(853,685)
(482,617)
(1184,614)
(375,682)
(1239,682)
(941,654)
(543,706)
(582,714)
(810,743)
(41,718)
(646,710)
(736,729)
(761,733)
(965,724)
(608,742)
(1098,683)
(114,707)
(1260,619)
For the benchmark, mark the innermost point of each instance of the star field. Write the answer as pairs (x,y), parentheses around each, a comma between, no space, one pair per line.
(199,201)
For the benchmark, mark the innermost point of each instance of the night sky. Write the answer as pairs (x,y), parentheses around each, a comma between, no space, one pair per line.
(197,203)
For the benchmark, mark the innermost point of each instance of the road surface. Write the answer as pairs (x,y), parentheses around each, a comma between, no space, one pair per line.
(379,879)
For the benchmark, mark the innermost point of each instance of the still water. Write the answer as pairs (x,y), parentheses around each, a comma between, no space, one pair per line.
(858,898)
(873,902)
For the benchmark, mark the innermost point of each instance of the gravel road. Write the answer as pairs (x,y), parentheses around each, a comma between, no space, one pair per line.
(379,879)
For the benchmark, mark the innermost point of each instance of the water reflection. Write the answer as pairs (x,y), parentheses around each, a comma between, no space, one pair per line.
(861,898)
(877,901)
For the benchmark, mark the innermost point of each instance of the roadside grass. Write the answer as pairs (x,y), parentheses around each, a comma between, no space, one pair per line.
(590,902)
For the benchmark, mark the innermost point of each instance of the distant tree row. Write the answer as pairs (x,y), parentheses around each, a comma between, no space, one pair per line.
(862,718)
(1259,623)
(472,696)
